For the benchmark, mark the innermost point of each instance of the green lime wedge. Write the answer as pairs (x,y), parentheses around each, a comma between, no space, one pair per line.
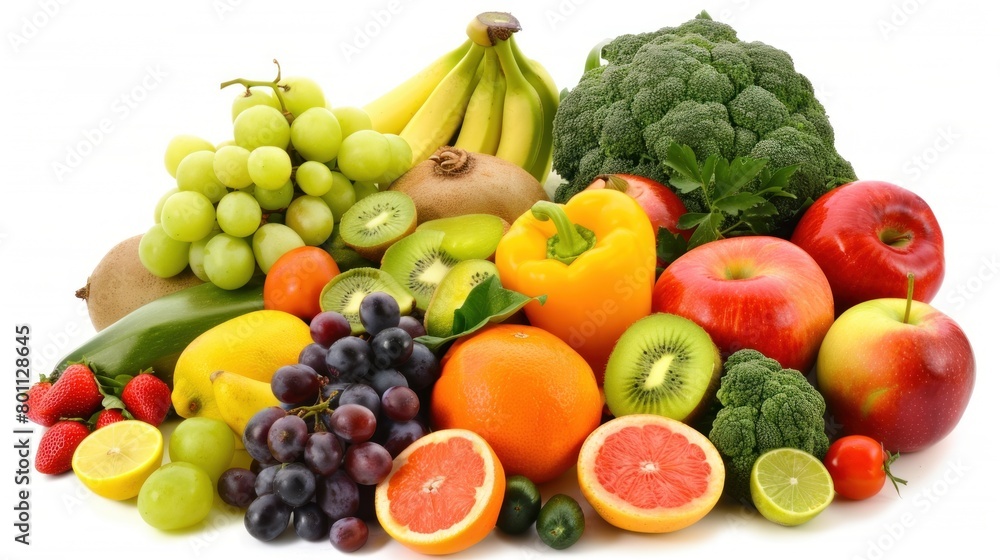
(789,486)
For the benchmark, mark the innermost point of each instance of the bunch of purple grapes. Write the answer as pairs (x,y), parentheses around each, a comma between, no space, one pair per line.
(350,406)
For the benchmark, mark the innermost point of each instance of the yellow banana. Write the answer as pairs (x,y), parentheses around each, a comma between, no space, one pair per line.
(481,127)
(239,398)
(548,94)
(391,111)
(522,126)
(438,119)
(488,28)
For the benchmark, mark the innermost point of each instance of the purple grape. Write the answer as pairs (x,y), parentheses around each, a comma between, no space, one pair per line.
(359,393)
(400,403)
(337,495)
(255,433)
(267,517)
(323,454)
(348,534)
(367,463)
(264,484)
(397,436)
(378,310)
(421,370)
(382,379)
(314,356)
(257,466)
(295,484)
(329,327)
(412,326)
(391,347)
(287,438)
(310,522)
(348,360)
(296,383)
(236,487)
(353,422)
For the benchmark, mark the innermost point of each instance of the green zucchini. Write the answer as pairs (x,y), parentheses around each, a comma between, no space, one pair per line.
(153,336)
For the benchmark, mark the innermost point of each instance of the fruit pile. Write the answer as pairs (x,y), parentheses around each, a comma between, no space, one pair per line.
(392,327)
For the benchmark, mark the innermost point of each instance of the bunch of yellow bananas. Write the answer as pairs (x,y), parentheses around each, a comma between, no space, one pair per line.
(485,96)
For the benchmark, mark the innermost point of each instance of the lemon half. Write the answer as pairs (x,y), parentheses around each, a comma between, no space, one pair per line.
(115,460)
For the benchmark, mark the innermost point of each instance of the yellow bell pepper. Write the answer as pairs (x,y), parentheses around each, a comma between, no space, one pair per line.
(594,259)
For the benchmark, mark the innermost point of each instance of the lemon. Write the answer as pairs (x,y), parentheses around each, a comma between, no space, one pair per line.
(115,460)
(789,486)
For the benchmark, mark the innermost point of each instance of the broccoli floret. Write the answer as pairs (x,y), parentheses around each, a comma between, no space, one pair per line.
(696,84)
(764,407)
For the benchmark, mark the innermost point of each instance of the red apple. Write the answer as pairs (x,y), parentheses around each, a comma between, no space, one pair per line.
(751,292)
(902,379)
(867,236)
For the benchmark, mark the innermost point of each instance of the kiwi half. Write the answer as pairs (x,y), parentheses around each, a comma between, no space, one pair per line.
(345,257)
(346,290)
(419,264)
(375,222)
(469,236)
(662,364)
(452,293)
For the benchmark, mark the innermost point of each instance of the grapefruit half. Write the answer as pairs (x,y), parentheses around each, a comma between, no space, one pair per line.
(649,473)
(443,494)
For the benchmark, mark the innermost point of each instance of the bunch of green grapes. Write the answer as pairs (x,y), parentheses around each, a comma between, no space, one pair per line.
(293,167)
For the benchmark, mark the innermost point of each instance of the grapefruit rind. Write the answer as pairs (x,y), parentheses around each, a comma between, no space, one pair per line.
(622,514)
(474,527)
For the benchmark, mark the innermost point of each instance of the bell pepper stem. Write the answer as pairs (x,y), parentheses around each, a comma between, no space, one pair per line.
(571,240)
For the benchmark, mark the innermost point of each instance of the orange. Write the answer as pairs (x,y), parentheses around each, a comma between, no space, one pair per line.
(649,473)
(530,395)
(443,494)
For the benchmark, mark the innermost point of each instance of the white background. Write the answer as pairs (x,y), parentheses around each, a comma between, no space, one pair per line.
(908,84)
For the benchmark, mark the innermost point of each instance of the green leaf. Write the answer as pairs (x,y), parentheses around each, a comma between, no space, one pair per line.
(707,231)
(762,210)
(489,302)
(777,177)
(739,202)
(691,220)
(684,185)
(709,171)
(681,159)
(669,245)
(742,171)
(776,191)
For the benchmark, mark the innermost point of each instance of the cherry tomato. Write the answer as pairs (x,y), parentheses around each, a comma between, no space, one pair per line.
(295,280)
(859,466)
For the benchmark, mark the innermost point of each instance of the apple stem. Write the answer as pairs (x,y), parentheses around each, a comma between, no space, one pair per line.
(910,281)
(614,182)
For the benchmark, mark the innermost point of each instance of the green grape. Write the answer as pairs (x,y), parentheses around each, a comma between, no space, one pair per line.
(204,442)
(271,241)
(239,214)
(253,97)
(351,119)
(400,161)
(162,255)
(276,199)
(159,204)
(261,125)
(270,167)
(316,134)
(364,155)
(196,256)
(364,188)
(179,147)
(341,195)
(300,94)
(311,218)
(176,495)
(229,261)
(230,166)
(314,178)
(187,216)
(197,173)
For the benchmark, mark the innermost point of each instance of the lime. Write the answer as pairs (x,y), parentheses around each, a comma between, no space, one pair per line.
(115,460)
(560,522)
(521,503)
(789,486)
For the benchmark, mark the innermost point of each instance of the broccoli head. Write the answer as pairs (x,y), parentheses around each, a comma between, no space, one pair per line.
(764,407)
(696,84)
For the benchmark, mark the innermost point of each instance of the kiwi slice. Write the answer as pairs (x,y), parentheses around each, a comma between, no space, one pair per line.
(345,257)
(469,236)
(419,264)
(452,292)
(662,364)
(377,221)
(346,290)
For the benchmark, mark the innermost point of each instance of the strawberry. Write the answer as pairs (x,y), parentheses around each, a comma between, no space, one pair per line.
(108,416)
(55,449)
(74,395)
(147,397)
(35,395)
